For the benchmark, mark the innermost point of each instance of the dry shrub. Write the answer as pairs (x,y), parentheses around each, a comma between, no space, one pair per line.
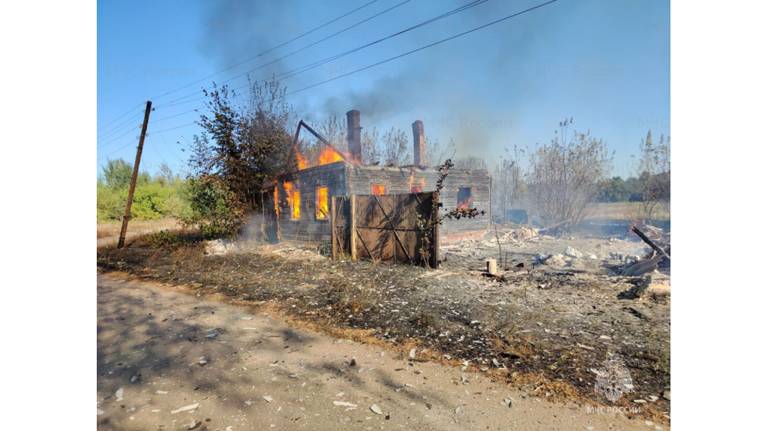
(565,176)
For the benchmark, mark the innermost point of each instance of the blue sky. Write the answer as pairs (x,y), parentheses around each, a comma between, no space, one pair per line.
(604,63)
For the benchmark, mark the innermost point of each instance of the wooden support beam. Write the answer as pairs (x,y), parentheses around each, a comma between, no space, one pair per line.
(365,246)
(352,228)
(435,252)
(650,243)
(334,252)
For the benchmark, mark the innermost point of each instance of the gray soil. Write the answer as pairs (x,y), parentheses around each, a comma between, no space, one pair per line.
(162,348)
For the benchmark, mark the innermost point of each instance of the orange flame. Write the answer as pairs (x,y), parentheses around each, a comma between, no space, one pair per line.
(378,189)
(328,155)
(464,198)
(321,203)
(296,205)
(275,198)
(301,162)
(294,199)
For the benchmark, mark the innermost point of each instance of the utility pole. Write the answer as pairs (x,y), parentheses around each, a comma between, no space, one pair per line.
(127,215)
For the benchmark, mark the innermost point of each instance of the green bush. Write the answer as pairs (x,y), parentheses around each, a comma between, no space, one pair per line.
(214,208)
(110,202)
(153,199)
(164,238)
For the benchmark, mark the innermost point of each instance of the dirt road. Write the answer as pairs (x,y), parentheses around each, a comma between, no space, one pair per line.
(168,360)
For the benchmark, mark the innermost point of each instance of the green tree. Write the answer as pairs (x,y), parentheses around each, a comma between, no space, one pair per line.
(214,208)
(165,175)
(244,146)
(613,190)
(117,173)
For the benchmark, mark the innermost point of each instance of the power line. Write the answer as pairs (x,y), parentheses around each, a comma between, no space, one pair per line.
(121,125)
(268,50)
(110,141)
(303,48)
(327,60)
(380,40)
(173,116)
(174,128)
(404,54)
(306,33)
(119,149)
(180,100)
(421,48)
(123,114)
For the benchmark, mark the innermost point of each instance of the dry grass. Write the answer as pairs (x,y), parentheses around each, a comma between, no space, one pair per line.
(108,232)
(622,211)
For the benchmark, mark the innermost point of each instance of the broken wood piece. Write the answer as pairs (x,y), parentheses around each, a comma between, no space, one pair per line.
(642,267)
(490,267)
(649,242)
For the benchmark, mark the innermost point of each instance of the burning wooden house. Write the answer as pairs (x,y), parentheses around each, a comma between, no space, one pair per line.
(298,204)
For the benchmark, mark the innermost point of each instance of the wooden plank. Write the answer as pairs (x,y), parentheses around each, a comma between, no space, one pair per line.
(367,250)
(352,228)
(392,228)
(334,232)
(342,230)
(434,252)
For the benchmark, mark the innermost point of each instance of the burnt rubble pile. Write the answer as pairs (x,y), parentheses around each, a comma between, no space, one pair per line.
(659,257)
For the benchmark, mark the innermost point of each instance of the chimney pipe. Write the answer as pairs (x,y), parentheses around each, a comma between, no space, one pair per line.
(419,150)
(353,135)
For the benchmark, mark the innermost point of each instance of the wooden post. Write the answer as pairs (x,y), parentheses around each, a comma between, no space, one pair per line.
(649,242)
(334,252)
(127,215)
(490,266)
(435,254)
(352,228)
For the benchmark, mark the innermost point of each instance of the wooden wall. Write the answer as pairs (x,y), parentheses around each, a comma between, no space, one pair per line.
(400,179)
(343,179)
(387,228)
(308,227)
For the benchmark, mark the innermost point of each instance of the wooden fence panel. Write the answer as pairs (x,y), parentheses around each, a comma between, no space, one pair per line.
(340,226)
(386,227)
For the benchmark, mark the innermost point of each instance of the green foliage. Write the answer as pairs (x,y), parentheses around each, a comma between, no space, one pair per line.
(154,198)
(117,173)
(110,202)
(214,207)
(244,146)
(612,190)
(164,238)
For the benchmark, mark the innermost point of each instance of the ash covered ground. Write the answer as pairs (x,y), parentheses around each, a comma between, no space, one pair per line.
(557,310)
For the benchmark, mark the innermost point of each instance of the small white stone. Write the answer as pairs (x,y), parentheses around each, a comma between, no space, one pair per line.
(186,408)
(376,409)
